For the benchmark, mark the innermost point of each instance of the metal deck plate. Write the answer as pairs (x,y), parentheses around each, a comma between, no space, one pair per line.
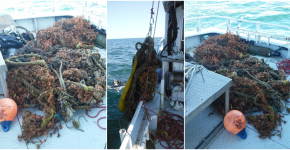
(205,88)
(227,140)
(200,127)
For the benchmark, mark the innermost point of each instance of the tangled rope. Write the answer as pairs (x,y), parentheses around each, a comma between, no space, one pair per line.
(285,65)
(9,61)
(170,128)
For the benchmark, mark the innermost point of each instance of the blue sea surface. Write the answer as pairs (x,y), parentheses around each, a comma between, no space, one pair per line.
(8,7)
(120,53)
(273,12)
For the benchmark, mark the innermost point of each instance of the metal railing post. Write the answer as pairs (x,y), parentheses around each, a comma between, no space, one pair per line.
(257,30)
(16,8)
(248,37)
(198,25)
(288,48)
(55,6)
(228,25)
(239,25)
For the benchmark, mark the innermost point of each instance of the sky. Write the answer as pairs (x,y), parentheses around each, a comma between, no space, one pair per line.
(130,19)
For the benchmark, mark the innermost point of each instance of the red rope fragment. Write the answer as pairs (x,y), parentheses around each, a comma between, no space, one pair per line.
(97,115)
(285,65)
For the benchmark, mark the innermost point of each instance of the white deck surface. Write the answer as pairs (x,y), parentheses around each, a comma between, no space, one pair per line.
(93,137)
(202,124)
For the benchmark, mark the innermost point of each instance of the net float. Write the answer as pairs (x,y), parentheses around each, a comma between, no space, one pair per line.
(8,111)
(235,122)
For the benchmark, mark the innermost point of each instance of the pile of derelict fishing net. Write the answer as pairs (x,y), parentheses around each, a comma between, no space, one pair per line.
(170,127)
(71,33)
(256,86)
(57,81)
(138,88)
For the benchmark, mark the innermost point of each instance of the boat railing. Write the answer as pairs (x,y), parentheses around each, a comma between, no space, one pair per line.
(248,33)
(138,141)
(126,137)
(56,3)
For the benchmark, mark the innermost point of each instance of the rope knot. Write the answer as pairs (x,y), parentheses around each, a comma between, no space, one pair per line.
(143,100)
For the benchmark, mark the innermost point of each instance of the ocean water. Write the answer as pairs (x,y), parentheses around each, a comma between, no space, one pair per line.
(8,7)
(273,12)
(120,53)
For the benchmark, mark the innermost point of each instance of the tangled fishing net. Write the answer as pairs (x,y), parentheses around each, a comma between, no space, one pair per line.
(170,127)
(256,86)
(71,33)
(56,76)
(135,93)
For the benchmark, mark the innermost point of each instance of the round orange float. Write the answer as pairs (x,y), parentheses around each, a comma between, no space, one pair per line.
(235,122)
(8,111)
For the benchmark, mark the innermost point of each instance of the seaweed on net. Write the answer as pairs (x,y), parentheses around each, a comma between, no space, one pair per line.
(135,93)
(72,33)
(256,86)
(57,81)
(216,48)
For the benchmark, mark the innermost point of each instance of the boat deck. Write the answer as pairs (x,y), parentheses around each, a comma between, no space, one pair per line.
(203,124)
(93,137)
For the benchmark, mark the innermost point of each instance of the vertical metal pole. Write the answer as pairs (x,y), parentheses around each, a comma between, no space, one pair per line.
(288,48)
(227,103)
(122,133)
(248,37)
(228,25)
(54,3)
(35,23)
(55,6)
(240,22)
(4,87)
(198,25)
(16,8)
(162,82)
(257,30)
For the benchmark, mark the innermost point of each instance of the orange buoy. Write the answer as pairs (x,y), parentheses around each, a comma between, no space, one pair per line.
(8,111)
(235,122)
